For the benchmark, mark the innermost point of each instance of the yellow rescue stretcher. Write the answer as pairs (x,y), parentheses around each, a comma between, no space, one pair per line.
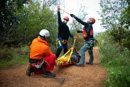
(69,58)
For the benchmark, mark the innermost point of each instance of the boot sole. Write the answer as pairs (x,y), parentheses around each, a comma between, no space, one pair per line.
(80,65)
(89,63)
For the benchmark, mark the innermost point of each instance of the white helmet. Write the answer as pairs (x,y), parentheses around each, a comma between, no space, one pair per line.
(44,33)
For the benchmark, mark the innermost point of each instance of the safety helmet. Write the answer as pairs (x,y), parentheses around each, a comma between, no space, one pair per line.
(44,33)
(93,19)
(67,18)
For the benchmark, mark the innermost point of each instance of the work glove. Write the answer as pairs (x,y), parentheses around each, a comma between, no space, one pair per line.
(72,15)
(78,31)
(58,7)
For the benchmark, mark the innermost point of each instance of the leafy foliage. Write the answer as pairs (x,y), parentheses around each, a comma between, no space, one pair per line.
(25,22)
(7,19)
(13,56)
(125,18)
(117,60)
(31,19)
(115,17)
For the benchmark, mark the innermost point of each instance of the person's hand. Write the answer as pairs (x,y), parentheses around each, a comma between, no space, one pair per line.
(58,7)
(74,37)
(72,15)
(78,31)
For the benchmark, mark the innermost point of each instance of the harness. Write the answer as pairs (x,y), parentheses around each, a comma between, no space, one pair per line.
(90,43)
(63,42)
(85,35)
(37,63)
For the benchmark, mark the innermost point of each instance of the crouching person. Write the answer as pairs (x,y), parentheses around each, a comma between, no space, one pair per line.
(41,60)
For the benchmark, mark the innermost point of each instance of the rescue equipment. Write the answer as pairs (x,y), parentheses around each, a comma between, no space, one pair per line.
(85,33)
(69,58)
(63,41)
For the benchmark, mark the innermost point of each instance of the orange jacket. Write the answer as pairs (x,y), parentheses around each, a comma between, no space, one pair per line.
(39,49)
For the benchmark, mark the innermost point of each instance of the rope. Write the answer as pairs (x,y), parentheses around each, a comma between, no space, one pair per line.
(75,27)
(64,11)
(79,42)
(59,2)
(73,23)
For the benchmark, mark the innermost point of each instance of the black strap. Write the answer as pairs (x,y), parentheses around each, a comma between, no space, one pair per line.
(33,60)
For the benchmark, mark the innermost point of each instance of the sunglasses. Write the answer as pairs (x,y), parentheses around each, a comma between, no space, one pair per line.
(66,19)
(90,19)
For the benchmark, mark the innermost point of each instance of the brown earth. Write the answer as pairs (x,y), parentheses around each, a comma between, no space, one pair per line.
(88,76)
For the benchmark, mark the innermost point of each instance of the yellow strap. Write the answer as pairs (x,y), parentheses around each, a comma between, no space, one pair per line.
(67,52)
(64,41)
(59,43)
(43,62)
(67,57)
(69,60)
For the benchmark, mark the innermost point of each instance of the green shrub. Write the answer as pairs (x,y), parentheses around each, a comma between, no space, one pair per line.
(14,56)
(5,54)
(117,61)
(119,77)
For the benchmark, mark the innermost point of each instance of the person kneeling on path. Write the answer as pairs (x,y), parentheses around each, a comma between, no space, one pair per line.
(63,34)
(89,40)
(40,55)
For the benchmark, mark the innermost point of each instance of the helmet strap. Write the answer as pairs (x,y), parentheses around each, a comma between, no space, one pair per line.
(42,37)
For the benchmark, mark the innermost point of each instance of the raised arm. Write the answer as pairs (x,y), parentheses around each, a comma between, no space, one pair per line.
(70,34)
(79,20)
(59,17)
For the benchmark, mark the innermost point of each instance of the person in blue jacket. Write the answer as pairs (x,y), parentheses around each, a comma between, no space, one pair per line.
(63,34)
(89,40)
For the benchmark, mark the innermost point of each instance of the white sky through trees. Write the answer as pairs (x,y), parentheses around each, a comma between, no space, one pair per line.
(92,6)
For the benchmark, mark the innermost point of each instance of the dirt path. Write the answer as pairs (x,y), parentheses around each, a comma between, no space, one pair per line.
(88,76)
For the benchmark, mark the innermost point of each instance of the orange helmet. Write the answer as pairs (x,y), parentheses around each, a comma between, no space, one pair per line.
(67,18)
(93,19)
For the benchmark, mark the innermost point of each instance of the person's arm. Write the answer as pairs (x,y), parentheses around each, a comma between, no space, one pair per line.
(79,20)
(47,51)
(71,34)
(59,17)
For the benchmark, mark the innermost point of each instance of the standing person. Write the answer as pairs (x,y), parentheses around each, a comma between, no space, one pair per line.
(63,34)
(39,52)
(89,40)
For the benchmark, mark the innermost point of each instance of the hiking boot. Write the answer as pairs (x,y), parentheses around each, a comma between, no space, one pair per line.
(78,64)
(89,63)
(49,74)
(29,71)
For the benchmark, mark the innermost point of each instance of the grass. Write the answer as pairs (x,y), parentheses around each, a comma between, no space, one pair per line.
(13,56)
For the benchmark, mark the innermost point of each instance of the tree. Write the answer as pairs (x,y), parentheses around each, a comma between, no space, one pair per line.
(18,16)
(115,17)
(32,20)
(7,18)
(111,12)
(125,18)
